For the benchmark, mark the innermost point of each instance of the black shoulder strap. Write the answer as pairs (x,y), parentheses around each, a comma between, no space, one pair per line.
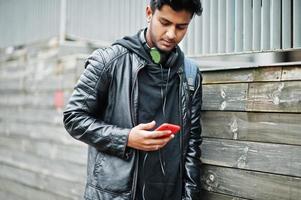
(191,70)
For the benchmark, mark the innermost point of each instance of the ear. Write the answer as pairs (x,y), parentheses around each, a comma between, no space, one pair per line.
(149,13)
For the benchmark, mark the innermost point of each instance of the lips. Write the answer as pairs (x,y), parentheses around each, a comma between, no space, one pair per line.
(167,43)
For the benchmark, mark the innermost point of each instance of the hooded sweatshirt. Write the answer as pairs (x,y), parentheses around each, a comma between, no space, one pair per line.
(158,99)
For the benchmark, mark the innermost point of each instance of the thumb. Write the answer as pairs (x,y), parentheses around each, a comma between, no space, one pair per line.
(147,126)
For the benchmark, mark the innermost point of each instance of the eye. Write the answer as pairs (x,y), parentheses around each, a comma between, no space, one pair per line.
(182,27)
(164,22)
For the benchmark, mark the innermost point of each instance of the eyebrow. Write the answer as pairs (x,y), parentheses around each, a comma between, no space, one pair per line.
(166,20)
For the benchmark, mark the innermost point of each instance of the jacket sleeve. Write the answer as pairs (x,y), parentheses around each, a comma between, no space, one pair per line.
(82,114)
(192,173)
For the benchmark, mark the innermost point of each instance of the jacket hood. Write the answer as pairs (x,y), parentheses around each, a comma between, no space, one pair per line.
(134,44)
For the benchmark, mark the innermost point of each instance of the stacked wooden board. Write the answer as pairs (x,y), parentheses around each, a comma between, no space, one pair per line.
(252,133)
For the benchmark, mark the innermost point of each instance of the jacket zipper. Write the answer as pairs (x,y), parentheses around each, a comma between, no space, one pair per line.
(181,124)
(134,123)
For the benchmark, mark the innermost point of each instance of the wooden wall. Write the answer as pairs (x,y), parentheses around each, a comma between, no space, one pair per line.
(251,129)
(38,159)
(252,133)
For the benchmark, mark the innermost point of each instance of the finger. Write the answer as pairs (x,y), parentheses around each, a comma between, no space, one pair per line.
(152,148)
(160,134)
(147,126)
(158,141)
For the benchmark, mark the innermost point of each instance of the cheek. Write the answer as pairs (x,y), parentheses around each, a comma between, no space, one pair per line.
(181,34)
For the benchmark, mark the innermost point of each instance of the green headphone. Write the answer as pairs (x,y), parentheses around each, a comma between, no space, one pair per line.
(157,56)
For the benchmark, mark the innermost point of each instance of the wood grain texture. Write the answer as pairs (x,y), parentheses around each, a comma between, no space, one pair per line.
(225,96)
(228,76)
(263,74)
(26,192)
(45,149)
(8,195)
(65,170)
(271,158)
(206,195)
(32,100)
(260,74)
(275,97)
(45,183)
(39,132)
(250,184)
(291,73)
(262,127)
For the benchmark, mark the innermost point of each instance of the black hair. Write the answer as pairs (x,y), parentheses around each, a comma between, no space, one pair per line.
(193,6)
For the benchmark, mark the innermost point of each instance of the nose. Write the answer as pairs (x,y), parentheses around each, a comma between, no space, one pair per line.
(171,33)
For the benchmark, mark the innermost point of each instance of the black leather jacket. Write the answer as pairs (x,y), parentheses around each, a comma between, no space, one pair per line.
(103,109)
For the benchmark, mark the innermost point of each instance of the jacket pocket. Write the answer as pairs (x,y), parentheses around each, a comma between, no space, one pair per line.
(98,164)
(113,174)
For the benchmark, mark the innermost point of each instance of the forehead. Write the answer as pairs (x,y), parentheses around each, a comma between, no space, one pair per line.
(177,17)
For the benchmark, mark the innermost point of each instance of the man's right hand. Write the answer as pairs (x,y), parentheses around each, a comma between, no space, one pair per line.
(140,137)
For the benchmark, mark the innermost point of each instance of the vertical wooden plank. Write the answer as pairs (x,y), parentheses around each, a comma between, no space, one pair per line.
(63,20)
(247,25)
(256,41)
(206,26)
(230,26)
(213,26)
(221,26)
(275,24)
(286,24)
(183,44)
(190,38)
(238,25)
(265,25)
(297,23)
(198,35)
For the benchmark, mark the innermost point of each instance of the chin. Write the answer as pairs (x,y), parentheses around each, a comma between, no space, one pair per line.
(166,49)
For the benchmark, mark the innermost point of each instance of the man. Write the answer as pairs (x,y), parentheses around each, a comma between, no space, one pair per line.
(128,90)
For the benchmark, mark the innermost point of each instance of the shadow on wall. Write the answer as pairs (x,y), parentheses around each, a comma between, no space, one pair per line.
(250,59)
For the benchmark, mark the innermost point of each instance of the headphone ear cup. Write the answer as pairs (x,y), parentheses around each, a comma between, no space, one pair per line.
(173,56)
(155,55)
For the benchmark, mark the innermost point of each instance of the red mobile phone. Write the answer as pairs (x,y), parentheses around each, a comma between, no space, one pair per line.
(166,126)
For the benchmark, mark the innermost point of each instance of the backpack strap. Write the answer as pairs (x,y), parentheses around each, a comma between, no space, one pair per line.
(191,70)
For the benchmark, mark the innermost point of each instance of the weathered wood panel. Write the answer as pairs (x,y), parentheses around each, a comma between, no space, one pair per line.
(275,97)
(262,74)
(267,74)
(263,127)
(267,97)
(225,96)
(33,100)
(47,149)
(251,184)
(26,192)
(7,195)
(32,115)
(39,132)
(46,183)
(216,196)
(229,76)
(264,157)
(38,158)
(254,152)
(43,165)
(291,73)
